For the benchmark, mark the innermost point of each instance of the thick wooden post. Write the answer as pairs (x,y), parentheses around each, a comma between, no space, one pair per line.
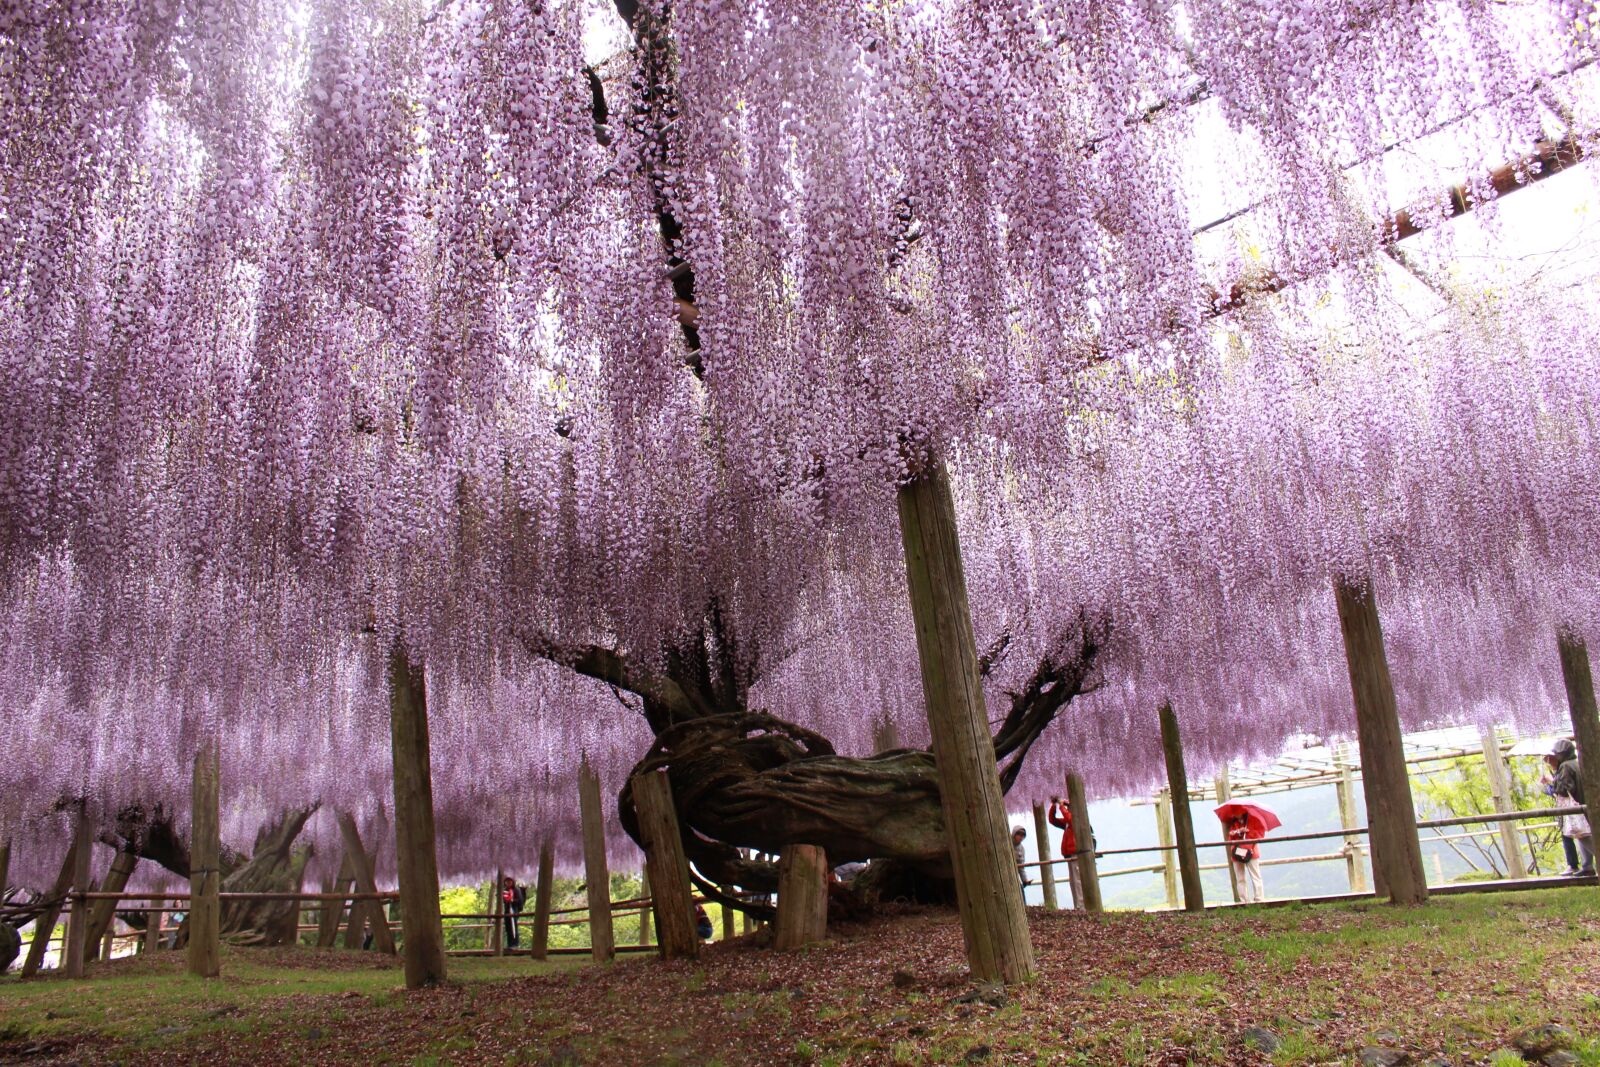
(1494,765)
(103,912)
(415,857)
(802,897)
(539,947)
(495,942)
(1088,870)
(1182,816)
(1224,789)
(5,864)
(668,868)
(993,919)
(152,926)
(1047,873)
(45,924)
(1345,788)
(1169,853)
(646,911)
(1581,707)
(595,872)
(205,865)
(727,922)
(1391,814)
(79,943)
(332,913)
(365,882)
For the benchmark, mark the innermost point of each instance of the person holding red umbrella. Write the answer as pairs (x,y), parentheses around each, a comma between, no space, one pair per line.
(1246,824)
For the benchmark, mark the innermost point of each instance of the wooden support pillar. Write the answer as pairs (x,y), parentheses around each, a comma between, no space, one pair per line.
(152,927)
(1494,765)
(540,944)
(332,911)
(79,944)
(646,911)
(5,865)
(1345,788)
(1391,814)
(993,919)
(595,872)
(1047,873)
(1224,789)
(106,944)
(45,924)
(1169,854)
(664,859)
(415,857)
(495,942)
(205,866)
(1088,870)
(103,912)
(371,911)
(727,923)
(885,736)
(1182,816)
(1581,707)
(802,897)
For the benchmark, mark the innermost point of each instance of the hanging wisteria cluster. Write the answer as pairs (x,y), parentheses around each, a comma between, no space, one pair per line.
(331,321)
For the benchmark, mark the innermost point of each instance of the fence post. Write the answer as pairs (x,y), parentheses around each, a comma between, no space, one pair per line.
(1345,787)
(497,914)
(79,945)
(1088,872)
(596,874)
(205,865)
(1047,873)
(540,948)
(1581,707)
(1224,794)
(1169,856)
(329,918)
(672,901)
(152,926)
(802,897)
(1494,764)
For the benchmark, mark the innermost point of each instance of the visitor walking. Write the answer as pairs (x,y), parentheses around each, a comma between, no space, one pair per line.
(512,899)
(1566,784)
(1018,836)
(1245,857)
(1061,818)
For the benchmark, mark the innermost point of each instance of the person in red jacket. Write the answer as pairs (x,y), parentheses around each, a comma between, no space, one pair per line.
(1061,818)
(1245,857)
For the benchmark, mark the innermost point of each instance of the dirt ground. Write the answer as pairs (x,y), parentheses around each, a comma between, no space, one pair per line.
(1456,979)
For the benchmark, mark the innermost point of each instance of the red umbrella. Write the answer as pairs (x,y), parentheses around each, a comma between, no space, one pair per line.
(1258,819)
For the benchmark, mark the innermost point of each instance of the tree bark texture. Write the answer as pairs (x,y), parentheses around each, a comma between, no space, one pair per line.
(75,953)
(1391,814)
(415,855)
(332,914)
(45,923)
(363,912)
(205,874)
(802,897)
(1575,672)
(1088,869)
(666,866)
(102,912)
(1047,872)
(540,946)
(596,874)
(1182,817)
(993,920)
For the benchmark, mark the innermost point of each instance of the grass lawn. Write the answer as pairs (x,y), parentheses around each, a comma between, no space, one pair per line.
(1454,979)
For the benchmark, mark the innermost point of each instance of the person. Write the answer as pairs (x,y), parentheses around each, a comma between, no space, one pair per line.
(512,899)
(1566,784)
(1245,857)
(1061,818)
(1018,836)
(702,923)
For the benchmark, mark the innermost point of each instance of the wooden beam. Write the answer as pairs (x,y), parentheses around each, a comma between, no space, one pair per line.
(1224,787)
(332,913)
(672,899)
(1182,817)
(1047,873)
(1088,870)
(416,859)
(644,913)
(539,947)
(205,865)
(79,944)
(368,911)
(1391,814)
(993,919)
(495,942)
(1494,765)
(103,912)
(803,897)
(44,924)
(1345,790)
(152,930)
(1169,857)
(1574,653)
(597,875)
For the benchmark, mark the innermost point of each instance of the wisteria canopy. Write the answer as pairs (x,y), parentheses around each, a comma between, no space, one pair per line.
(558,337)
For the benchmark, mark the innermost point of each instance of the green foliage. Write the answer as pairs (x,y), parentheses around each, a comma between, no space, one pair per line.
(1461,787)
